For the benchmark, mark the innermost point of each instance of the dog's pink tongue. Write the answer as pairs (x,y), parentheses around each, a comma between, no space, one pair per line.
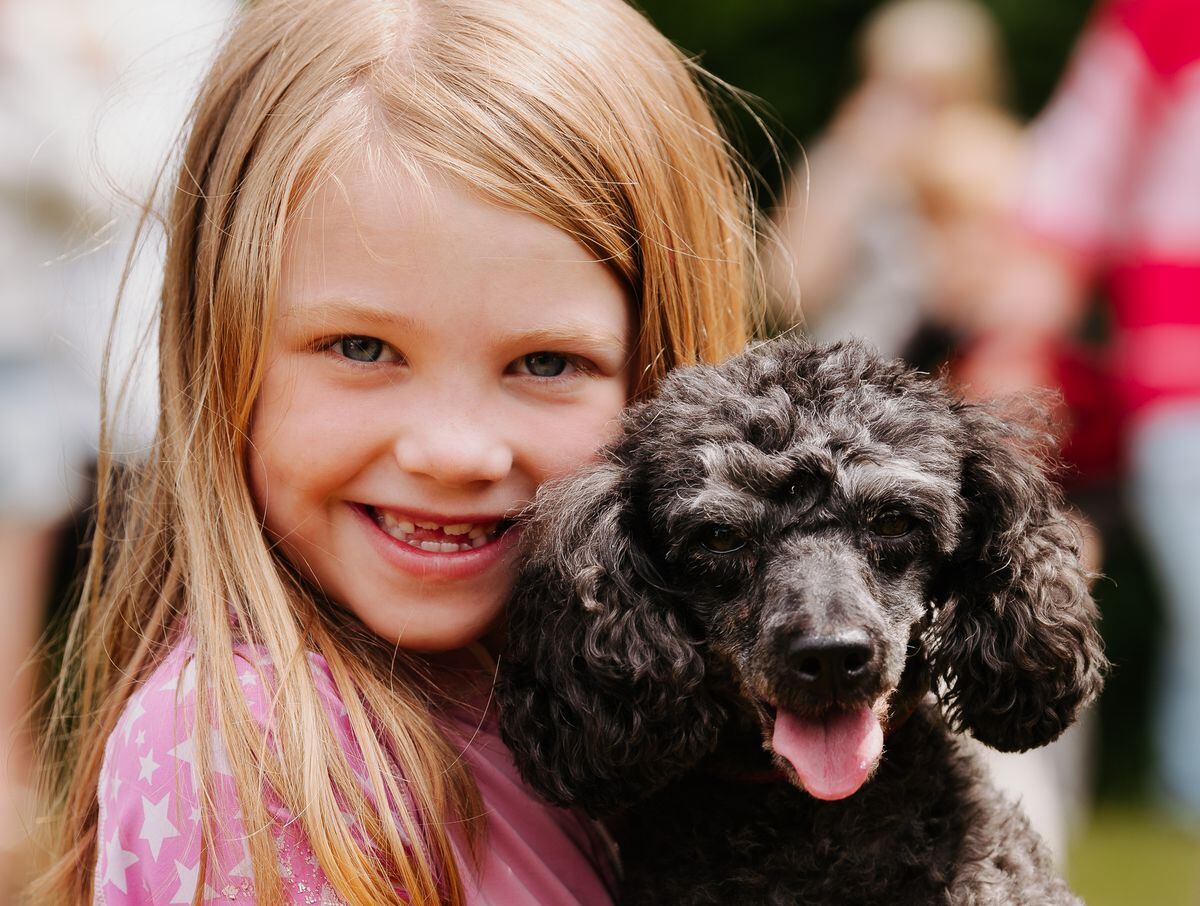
(832,756)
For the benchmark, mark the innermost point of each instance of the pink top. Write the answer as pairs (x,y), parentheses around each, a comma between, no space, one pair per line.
(1115,173)
(149,825)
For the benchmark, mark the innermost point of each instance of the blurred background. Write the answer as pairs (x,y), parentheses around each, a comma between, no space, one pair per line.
(1006,191)
(92,96)
(1009,191)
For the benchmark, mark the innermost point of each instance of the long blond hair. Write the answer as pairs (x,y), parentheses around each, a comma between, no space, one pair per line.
(579,113)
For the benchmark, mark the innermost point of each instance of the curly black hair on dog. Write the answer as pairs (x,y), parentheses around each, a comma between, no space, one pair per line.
(731,630)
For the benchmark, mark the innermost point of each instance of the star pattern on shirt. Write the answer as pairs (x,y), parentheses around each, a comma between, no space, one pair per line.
(117,861)
(156,826)
(244,868)
(136,711)
(148,767)
(188,879)
(186,752)
(188,674)
(159,822)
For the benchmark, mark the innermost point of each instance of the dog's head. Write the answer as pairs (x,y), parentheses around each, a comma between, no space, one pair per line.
(792,538)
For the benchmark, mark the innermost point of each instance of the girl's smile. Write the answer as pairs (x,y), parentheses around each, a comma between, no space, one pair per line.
(440,534)
(432,359)
(440,547)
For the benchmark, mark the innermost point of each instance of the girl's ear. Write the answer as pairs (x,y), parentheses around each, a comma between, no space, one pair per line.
(602,695)
(1014,640)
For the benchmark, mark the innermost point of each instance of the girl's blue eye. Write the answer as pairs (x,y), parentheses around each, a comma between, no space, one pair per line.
(362,349)
(545,364)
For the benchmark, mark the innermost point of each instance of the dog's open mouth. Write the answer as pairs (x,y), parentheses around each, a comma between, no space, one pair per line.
(833,754)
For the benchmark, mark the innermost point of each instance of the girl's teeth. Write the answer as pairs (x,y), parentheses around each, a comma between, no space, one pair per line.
(469,535)
(446,547)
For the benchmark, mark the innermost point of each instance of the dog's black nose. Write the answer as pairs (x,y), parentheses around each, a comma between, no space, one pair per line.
(831,664)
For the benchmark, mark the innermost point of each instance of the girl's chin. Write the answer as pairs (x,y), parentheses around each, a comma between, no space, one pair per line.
(427,617)
(436,625)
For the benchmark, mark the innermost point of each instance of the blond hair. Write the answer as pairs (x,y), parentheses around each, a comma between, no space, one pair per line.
(579,113)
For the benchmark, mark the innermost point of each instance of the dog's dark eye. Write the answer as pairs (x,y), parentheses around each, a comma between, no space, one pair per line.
(892,525)
(722,539)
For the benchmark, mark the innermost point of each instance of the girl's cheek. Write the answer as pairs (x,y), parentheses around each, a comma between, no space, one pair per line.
(578,442)
(303,412)
(297,430)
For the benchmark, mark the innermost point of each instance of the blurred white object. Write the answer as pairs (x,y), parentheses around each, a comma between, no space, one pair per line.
(92,97)
(1052,785)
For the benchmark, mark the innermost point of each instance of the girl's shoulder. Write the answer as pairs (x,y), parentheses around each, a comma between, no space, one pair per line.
(149,832)
(162,710)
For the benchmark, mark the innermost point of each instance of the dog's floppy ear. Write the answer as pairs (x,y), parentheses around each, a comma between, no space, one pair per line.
(1014,640)
(601,691)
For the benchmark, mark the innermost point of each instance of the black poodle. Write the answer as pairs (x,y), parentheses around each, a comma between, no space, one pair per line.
(751,632)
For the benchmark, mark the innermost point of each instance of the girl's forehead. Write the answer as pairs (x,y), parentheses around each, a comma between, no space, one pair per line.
(365,203)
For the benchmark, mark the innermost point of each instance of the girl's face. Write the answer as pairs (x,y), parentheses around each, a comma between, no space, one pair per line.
(433,359)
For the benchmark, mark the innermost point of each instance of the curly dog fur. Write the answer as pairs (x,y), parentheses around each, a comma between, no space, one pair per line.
(667,611)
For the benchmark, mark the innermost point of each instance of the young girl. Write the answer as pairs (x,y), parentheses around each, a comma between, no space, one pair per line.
(421,253)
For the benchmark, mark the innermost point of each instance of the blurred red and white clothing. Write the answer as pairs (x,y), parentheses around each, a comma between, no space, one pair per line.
(1115,175)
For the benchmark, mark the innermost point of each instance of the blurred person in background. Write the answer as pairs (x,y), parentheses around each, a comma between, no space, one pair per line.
(852,254)
(894,231)
(1111,199)
(91,96)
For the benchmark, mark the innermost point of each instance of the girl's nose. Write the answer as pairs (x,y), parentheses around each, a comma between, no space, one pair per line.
(453,451)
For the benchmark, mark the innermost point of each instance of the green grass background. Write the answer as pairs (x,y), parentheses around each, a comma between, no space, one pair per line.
(1130,856)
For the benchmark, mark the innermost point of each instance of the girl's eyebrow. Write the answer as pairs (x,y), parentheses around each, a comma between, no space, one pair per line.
(584,336)
(338,312)
(348,311)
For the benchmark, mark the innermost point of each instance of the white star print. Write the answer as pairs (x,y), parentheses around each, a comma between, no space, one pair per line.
(189,679)
(118,860)
(141,738)
(156,826)
(220,760)
(135,712)
(243,869)
(188,879)
(186,752)
(149,766)
(248,679)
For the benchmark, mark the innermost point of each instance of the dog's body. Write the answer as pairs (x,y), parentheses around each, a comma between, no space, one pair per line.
(727,630)
(927,828)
